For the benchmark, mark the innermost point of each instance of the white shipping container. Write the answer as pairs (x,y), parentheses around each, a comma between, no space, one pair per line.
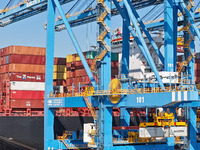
(162,132)
(27,86)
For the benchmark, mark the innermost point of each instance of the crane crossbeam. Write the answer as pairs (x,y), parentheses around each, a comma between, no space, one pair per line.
(24,10)
(38,6)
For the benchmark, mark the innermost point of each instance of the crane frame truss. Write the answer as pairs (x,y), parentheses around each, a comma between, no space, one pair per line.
(172,99)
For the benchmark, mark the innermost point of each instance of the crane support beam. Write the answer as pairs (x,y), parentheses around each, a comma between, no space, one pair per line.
(76,45)
(125,46)
(142,25)
(141,39)
(136,39)
(169,35)
(49,120)
(191,19)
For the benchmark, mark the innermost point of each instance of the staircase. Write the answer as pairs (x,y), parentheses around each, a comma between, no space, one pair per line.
(105,31)
(187,43)
(89,105)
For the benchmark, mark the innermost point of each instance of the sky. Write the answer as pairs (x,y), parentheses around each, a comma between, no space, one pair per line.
(30,32)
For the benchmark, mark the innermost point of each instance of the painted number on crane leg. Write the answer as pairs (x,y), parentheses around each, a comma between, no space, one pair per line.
(140,99)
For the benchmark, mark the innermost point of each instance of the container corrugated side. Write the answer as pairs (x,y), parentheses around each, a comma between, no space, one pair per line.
(28,77)
(27,86)
(26,68)
(59,68)
(59,61)
(25,59)
(35,95)
(27,103)
(59,76)
(25,50)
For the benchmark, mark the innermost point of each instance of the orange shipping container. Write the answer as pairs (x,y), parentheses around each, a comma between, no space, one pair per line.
(26,68)
(25,50)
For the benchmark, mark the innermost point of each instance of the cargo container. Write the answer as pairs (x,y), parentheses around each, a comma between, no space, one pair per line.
(59,61)
(23,59)
(21,103)
(28,77)
(17,94)
(70,58)
(59,68)
(23,50)
(59,76)
(26,68)
(91,54)
(27,86)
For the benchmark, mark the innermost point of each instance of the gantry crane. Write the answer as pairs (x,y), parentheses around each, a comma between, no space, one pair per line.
(118,92)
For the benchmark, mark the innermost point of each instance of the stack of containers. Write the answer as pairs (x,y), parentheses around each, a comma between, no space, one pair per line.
(24,68)
(180,58)
(59,75)
(76,73)
(197,68)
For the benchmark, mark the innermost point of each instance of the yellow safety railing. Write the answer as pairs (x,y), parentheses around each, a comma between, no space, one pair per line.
(122,92)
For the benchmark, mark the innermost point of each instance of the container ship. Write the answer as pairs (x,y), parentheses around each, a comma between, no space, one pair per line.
(22,77)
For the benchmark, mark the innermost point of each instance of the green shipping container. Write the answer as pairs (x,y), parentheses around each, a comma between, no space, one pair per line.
(114,56)
(91,54)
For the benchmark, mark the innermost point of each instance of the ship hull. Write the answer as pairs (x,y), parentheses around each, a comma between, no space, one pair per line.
(29,130)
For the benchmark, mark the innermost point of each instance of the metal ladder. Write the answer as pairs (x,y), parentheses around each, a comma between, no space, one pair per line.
(97,58)
(102,35)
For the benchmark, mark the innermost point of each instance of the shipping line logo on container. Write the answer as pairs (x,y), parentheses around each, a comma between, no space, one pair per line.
(24,77)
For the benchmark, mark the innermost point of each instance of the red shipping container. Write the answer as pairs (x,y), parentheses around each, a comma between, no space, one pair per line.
(73,67)
(61,82)
(197,79)
(197,60)
(68,81)
(27,103)
(114,72)
(83,72)
(87,80)
(59,61)
(83,80)
(72,74)
(77,80)
(78,73)
(1,51)
(114,64)
(79,65)
(197,73)
(16,94)
(29,77)
(90,61)
(54,83)
(68,65)
(25,59)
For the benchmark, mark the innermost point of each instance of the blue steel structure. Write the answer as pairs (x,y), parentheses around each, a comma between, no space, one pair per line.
(168,96)
(187,96)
